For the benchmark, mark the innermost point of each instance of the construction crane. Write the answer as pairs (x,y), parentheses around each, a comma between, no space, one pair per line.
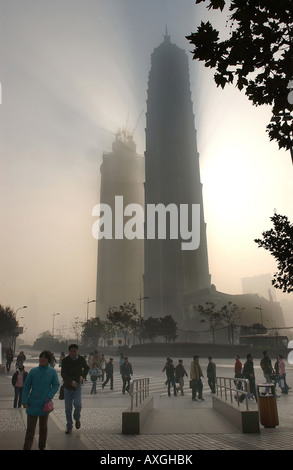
(111,132)
(124,131)
(137,122)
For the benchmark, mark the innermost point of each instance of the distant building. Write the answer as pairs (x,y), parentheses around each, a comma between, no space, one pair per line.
(172,176)
(261,285)
(253,309)
(120,261)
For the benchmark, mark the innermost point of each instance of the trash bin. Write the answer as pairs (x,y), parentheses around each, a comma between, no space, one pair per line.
(267,405)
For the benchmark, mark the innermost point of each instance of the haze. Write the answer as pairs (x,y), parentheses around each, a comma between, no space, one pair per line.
(73,73)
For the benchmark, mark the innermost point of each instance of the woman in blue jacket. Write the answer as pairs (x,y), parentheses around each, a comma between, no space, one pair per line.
(40,386)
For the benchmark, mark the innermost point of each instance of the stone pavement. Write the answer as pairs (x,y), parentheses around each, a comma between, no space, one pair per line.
(176,424)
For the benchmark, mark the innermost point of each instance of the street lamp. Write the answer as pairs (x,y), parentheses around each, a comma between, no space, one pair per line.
(140,299)
(260,309)
(54,315)
(87,308)
(25,306)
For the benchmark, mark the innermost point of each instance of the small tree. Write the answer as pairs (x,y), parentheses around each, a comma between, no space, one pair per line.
(230,315)
(168,328)
(151,328)
(123,318)
(8,324)
(212,314)
(279,241)
(109,331)
(93,330)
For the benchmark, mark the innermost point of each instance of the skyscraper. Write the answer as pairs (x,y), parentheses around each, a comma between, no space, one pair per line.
(120,260)
(172,176)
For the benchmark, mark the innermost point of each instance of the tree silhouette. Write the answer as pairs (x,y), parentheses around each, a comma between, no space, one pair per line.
(230,315)
(124,318)
(151,328)
(168,328)
(279,241)
(257,56)
(8,322)
(211,312)
(93,330)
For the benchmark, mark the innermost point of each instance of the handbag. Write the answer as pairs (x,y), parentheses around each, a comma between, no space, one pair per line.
(48,407)
(61,392)
(95,372)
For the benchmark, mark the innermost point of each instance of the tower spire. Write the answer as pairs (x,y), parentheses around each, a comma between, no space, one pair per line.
(166,37)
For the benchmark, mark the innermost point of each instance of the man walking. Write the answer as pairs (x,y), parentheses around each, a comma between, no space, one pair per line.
(179,375)
(211,375)
(248,373)
(126,372)
(238,372)
(268,371)
(74,370)
(109,369)
(196,375)
(170,373)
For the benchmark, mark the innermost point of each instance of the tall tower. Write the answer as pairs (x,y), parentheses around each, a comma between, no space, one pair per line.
(172,175)
(120,261)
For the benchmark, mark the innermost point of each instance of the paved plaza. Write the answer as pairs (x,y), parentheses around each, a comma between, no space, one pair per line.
(175,424)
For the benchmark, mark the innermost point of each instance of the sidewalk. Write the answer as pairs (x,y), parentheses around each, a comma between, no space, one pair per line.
(175,424)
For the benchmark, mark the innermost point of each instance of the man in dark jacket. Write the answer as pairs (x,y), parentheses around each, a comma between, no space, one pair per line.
(211,374)
(126,372)
(74,370)
(180,372)
(268,371)
(248,373)
(109,369)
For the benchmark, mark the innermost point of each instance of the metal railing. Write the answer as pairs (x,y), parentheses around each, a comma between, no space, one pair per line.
(225,389)
(139,390)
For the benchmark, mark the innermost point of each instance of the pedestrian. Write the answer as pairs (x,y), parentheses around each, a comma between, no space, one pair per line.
(167,361)
(211,374)
(97,359)
(238,372)
(20,359)
(9,358)
(248,373)
(74,370)
(170,373)
(53,361)
(121,361)
(180,372)
(62,355)
(90,359)
(126,373)
(109,370)
(195,376)
(40,386)
(17,381)
(266,366)
(94,374)
(103,366)
(268,371)
(282,375)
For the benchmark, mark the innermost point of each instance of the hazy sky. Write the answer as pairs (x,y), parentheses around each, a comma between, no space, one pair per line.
(70,69)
